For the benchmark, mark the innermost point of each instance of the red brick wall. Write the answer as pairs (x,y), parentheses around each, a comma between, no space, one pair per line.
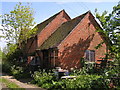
(51,27)
(29,42)
(83,37)
(32,45)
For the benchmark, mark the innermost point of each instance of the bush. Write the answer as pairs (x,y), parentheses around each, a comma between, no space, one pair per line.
(20,72)
(42,77)
(6,67)
(48,81)
(87,69)
(114,75)
(86,82)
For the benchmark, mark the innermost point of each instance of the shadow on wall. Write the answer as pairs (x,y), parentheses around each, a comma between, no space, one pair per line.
(71,55)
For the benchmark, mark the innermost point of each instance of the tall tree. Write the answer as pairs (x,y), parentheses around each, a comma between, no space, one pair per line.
(111,28)
(17,25)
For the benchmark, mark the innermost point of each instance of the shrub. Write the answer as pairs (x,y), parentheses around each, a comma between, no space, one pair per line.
(114,75)
(48,81)
(82,82)
(6,67)
(77,72)
(20,72)
(58,85)
(88,68)
(42,77)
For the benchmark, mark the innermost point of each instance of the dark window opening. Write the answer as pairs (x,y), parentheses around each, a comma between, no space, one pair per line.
(35,60)
(54,54)
(90,55)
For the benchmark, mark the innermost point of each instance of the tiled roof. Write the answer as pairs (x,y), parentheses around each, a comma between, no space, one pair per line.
(42,25)
(61,33)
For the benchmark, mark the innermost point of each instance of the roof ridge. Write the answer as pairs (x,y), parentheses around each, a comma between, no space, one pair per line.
(75,26)
(77,17)
(60,30)
(46,21)
(66,13)
(51,16)
(41,26)
(63,15)
(81,15)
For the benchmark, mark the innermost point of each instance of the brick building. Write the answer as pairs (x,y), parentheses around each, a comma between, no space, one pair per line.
(62,41)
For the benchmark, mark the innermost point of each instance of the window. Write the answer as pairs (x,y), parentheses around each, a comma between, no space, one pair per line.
(35,60)
(54,54)
(53,57)
(32,60)
(90,55)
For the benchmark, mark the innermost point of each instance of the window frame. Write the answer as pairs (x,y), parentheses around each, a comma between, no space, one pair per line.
(90,55)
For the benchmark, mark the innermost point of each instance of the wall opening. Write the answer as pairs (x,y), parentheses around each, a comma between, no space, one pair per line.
(90,55)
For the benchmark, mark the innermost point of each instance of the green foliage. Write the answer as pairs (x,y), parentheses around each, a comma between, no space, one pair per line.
(13,53)
(20,72)
(43,77)
(111,28)
(16,71)
(48,81)
(2,55)
(113,74)
(87,81)
(99,45)
(6,67)
(17,25)
(87,69)
(11,49)
(77,72)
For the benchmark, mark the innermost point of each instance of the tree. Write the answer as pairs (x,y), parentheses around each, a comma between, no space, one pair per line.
(2,55)
(111,28)
(17,25)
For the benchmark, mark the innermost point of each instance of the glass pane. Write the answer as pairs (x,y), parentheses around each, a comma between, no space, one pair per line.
(90,55)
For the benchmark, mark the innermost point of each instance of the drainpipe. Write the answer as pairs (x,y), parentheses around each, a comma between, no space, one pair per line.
(37,52)
(54,58)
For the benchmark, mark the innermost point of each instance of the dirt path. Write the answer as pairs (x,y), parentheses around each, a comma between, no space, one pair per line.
(3,85)
(21,84)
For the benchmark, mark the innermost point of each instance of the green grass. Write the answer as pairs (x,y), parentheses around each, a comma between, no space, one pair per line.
(10,85)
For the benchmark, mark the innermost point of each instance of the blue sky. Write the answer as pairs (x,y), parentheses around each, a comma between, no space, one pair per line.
(44,10)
